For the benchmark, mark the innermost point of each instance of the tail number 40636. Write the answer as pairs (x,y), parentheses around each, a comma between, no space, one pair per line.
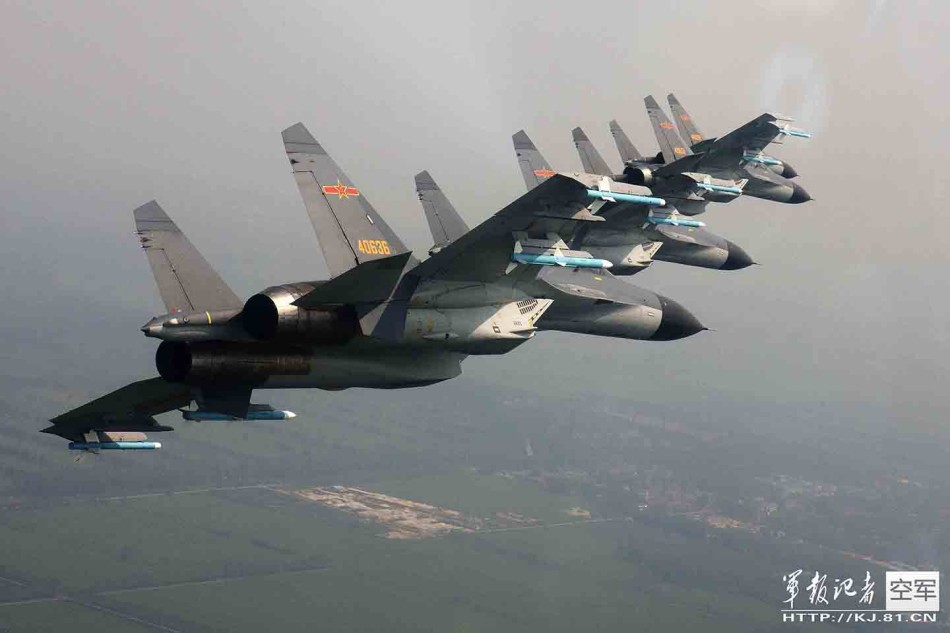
(373,247)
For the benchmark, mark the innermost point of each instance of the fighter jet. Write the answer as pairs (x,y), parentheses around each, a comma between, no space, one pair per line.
(634,235)
(569,314)
(383,320)
(737,156)
(691,133)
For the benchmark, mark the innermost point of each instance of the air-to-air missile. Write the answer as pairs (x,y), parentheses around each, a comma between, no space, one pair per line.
(552,252)
(775,165)
(760,158)
(786,130)
(117,446)
(574,259)
(674,219)
(612,196)
(114,441)
(270,414)
(708,186)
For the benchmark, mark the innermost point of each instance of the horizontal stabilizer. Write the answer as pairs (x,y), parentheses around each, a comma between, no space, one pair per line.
(685,164)
(703,145)
(371,282)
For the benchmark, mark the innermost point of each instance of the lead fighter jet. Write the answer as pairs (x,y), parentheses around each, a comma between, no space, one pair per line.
(691,133)
(735,156)
(383,320)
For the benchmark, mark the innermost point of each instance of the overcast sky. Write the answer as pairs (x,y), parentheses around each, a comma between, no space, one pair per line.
(106,106)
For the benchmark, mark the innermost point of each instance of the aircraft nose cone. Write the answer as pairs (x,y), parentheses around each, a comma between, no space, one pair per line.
(677,322)
(799,195)
(788,171)
(737,258)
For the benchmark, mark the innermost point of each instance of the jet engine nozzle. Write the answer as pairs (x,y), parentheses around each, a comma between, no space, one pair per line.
(271,314)
(639,176)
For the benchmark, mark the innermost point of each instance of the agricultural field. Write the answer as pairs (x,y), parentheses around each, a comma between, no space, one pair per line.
(256,557)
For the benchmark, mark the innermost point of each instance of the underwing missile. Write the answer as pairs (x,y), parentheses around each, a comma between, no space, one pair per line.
(201,416)
(560,260)
(95,441)
(674,219)
(785,130)
(721,188)
(760,158)
(611,196)
(114,446)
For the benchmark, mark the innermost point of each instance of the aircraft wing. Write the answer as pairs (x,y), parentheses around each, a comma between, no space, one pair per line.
(727,151)
(558,204)
(129,408)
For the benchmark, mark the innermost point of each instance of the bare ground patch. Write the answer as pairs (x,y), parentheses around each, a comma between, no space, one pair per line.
(404,518)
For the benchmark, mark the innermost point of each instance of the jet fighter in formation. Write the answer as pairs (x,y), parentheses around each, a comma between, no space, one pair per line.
(385,320)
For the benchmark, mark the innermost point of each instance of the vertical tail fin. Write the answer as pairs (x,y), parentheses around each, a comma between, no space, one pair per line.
(186,281)
(591,159)
(628,151)
(533,166)
(349,229)
(671,145)
(444,221)
(689,131)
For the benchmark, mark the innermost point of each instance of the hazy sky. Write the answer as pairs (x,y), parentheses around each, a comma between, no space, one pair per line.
(106,106)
